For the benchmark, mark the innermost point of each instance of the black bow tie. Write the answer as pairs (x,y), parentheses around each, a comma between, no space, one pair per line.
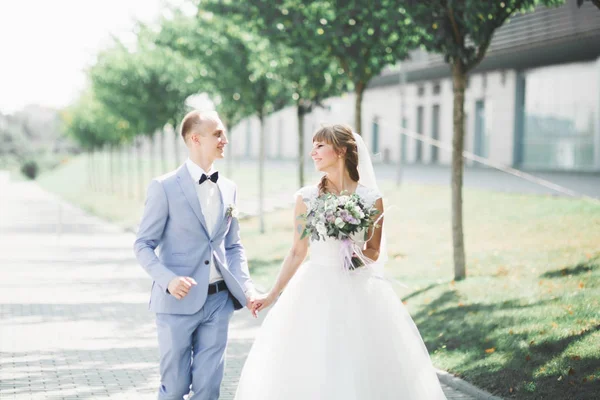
(214,177)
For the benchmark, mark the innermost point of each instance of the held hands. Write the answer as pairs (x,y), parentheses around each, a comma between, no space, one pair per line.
(250,299)
(180,286)
(261,302)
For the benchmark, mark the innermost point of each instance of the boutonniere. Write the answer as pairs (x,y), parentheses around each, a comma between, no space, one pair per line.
(232,211)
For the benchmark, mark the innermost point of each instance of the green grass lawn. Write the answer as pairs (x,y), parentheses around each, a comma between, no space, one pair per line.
(120,199)
(525,323)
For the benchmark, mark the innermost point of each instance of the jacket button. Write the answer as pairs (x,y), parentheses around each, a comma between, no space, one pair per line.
(206,262)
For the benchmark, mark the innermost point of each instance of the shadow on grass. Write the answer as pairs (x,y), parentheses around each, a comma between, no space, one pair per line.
(581,268)
(421,291)
(491,346)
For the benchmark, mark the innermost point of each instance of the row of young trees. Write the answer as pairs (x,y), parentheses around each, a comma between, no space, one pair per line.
(254,57)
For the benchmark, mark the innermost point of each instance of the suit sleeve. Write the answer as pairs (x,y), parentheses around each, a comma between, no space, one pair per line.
(236,254)
(152,226)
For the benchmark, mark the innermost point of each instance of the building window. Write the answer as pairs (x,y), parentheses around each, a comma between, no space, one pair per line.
(480,140)
(421,91)
(419,144)
(560,110)
(375,137)
(437,88)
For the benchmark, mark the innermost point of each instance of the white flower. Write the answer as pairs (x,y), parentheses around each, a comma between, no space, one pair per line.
(339,222)
(321,229)
(232,211)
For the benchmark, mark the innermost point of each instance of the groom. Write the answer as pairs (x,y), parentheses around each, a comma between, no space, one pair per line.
(201,273)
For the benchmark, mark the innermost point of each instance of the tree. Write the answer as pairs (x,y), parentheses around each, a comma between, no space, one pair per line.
(250,72)
(147,85)
(93,127)
(362,39)
(189,37)
(462,32)
(312,78)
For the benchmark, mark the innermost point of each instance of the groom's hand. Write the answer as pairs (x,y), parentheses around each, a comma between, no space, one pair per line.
(262,302)
(180,286)
(250,296)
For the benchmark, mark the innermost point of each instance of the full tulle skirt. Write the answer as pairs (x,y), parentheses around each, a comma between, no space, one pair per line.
(335,334)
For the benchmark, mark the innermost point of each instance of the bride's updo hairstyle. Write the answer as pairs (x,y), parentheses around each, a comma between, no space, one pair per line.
(341,138)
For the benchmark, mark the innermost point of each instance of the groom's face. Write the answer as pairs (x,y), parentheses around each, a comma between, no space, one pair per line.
(211,139)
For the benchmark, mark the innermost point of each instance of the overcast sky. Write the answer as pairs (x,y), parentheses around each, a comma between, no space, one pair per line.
(45,45)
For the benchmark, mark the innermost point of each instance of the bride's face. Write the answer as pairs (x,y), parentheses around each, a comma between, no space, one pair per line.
(324,156)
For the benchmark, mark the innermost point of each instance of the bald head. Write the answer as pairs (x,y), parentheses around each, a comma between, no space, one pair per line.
(201,122)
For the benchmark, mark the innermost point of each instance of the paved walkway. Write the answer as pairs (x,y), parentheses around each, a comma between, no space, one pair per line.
(73,307)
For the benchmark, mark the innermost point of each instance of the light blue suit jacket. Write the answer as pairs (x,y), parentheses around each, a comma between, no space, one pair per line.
(174,224)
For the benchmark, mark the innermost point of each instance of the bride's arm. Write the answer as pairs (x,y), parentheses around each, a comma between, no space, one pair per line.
(292,261)
(372,248)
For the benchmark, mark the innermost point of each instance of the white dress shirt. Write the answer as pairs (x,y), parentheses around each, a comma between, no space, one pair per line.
(210,203)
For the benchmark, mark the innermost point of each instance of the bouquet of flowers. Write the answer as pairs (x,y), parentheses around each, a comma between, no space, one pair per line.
(340,217)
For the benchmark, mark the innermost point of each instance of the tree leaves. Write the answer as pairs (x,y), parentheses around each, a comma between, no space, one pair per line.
(462,30)
(147,86)
(92,125)
(351,35)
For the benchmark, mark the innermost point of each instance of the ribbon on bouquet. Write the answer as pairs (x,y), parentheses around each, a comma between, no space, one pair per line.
(352,255)
(353,258)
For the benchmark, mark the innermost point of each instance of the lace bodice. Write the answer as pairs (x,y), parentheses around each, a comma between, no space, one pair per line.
(328,251)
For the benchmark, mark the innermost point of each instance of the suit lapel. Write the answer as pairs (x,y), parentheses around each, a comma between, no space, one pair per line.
(187,187)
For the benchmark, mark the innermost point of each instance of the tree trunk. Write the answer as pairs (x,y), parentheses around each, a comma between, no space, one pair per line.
(95,179)
(300,113)
(130,172)
(90,170)
(153,158)
(176,148)
(111,168)
(359,91)
(459,80)
(163,153)
(105,170)
(122,170)
(261,173)
(140,173)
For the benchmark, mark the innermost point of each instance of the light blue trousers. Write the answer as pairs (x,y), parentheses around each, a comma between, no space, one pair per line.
(192,349)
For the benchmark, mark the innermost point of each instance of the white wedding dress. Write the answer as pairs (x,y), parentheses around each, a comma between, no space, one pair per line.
(336,334)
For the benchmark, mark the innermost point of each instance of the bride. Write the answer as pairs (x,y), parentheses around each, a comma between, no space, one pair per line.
(335,333)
